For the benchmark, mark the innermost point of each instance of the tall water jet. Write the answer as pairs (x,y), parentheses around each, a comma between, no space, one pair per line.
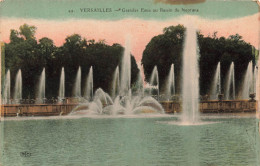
(230,83)
(154,82)
(62,85)
(89,85)
(125,83)
(18,87)
(255,79)
(140,84)
(7,88)
(115,84)
(257,89)
(77,86)
(170,91)
(190,73)
(248,83)
(216,84)
(41,88)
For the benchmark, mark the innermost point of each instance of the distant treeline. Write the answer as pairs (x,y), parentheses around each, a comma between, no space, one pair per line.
(31,56)
(167,48)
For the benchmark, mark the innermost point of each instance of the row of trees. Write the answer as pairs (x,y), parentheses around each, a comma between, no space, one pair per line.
(167,48)
(31,56)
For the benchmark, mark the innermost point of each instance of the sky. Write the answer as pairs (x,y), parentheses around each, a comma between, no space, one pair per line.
(55,22)
(140,31)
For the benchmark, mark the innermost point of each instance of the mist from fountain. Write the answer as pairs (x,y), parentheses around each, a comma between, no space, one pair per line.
(115,83)
(216,84)
(62,85)
(170,91)
(41,88)
(77,86)
(248,83)
(7,88)
(89,85)
(230,83)
(190,81)
(18,87)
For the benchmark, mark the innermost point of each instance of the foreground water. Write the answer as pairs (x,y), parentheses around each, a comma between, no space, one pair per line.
(129,141)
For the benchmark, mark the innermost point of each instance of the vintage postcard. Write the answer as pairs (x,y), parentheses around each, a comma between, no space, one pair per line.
(129,82)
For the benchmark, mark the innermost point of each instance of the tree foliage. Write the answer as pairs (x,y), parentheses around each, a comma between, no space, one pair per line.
(167,48)
(31,56)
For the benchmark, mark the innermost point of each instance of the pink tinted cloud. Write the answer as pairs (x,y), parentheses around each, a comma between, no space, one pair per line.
(141,31)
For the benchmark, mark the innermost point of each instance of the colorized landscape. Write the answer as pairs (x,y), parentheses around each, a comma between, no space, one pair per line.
(124,87)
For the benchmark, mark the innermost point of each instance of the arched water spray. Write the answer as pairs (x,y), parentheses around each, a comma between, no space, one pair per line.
(89,85)
(116,83)
(77,85)
(125,83)
(18,87)
(62,85)
(124,103)
(248,86)
(7,88)
(41,88)
(230,83)
(154,82)
(170,83)
(216,84)
(190,72)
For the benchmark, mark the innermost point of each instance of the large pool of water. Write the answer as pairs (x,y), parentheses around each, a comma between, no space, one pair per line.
(133,141)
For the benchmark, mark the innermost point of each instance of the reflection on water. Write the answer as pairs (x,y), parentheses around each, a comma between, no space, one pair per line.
(129,141)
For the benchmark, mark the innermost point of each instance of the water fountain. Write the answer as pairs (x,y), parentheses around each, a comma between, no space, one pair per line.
(7,87)
(18,87)
(41,88)
(89,85)
(154,83)
(248,82)
(116,83)
(77,86)
(255,79)
(125,82)
(230,83)
(62,85)
(124,102)
(190,81)
(170,91)
(139,85)
(216,84)
(257,89)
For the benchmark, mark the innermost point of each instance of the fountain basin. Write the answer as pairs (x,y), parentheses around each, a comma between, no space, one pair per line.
(130,141)
(170,107)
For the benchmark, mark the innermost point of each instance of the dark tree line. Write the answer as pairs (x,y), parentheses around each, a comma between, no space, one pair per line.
(31,56)
(167,48)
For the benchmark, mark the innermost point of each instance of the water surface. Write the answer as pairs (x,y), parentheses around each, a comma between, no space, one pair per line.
(129,141)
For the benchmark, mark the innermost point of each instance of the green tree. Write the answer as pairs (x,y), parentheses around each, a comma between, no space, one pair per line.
(27,31)
(162,51)
(166,48)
